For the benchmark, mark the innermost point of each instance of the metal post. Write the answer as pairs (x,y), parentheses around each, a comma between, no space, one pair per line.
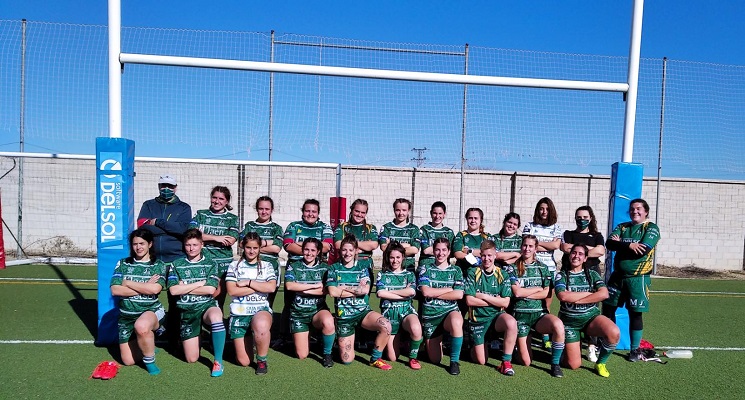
(463,143)
(115,69)
(659,153)
(22,142)
(633,82)
(271,117)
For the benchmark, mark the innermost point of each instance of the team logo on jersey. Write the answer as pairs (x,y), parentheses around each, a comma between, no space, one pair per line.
(130,270)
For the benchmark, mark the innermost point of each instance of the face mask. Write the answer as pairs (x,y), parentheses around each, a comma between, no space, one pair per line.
(582,223)
(167,193)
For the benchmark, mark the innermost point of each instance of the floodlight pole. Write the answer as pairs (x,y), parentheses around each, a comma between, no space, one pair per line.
(633,81)
(115,69)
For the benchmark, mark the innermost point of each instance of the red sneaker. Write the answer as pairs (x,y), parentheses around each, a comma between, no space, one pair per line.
(505,368)
(105,370)
(414,364)
(379,363)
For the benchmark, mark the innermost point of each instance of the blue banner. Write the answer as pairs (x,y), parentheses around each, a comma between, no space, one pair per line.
(114,222)
(625,185)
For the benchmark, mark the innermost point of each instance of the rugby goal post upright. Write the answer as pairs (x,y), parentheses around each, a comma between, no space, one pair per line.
(117,60)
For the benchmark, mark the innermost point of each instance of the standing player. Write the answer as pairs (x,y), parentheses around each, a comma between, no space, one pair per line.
(634,244)
(548,232)
(488,294)
(431,231)
(309,226)
(306,279)
(508,240)
(530,281)
(348,282)
(579,289)
(271,236)
(402,231)
(137,281)
(219,229)
(193,279)
(588,235)
(396,289)
(249,282)
(441,285)
(366,234)
(469,242)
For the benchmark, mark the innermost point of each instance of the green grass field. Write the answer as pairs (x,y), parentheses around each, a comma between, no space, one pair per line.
(685,313)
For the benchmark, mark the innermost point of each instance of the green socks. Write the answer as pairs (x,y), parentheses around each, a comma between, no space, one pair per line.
(636,338)
(415,345)
(218,340)
(375,355)
(455,345)
(605,350)
(557,348)
(328,343)
(150,366)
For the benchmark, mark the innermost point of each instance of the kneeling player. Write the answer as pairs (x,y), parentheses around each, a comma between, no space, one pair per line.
(579,289)
(194,279)
(396,288)
(441,285)
(487,295)
(349,283)
(530,281)
(249,282)
(305,278)
(137,281)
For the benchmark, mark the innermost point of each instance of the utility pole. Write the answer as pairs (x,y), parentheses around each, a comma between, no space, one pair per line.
(419,159)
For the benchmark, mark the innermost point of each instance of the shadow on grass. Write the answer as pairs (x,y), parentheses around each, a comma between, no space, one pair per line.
(85,309)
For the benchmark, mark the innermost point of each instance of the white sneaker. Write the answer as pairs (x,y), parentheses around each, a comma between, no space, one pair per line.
(592,353)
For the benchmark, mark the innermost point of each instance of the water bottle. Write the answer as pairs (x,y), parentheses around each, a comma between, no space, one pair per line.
(678,354)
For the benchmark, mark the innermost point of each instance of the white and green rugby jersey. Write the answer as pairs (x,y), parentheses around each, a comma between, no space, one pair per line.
(427,236)
(216,224)
(242,270)
(301,272)
(577,282)
(544,234)
(141,272)
(390,280)
(437,278)
(269,231)
(183,270)
(536,275)
(357,275)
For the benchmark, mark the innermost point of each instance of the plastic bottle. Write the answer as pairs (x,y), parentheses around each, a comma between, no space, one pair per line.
(678,354)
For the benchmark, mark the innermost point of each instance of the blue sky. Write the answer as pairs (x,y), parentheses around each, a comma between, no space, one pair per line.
(694,30)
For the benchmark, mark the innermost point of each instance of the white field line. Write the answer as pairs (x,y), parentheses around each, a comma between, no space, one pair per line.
(689,292)
(48,280)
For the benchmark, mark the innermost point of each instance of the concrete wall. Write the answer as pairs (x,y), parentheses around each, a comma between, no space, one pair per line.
(701,221)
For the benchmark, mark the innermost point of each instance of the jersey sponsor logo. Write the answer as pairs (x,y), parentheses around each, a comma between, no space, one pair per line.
(301,301)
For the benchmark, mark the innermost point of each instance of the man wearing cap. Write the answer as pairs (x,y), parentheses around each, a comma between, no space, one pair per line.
(167,217)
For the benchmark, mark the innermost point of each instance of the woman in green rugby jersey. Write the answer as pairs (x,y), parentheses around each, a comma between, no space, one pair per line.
(579,289)
(441,285)
(219,229)
(467,243)
(634,243)
(271,236)
(194,280)
(396,289)
(508,240)
(530,281)
(431,231)
(249,282)
(137,281)
(366,234)
(488,294)
(305,279)
(348,282)
(402,231)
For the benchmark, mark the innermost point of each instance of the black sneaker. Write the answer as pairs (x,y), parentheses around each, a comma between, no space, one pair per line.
(635,355)
(328,361)
(556,371)
(454,368)
(261,368)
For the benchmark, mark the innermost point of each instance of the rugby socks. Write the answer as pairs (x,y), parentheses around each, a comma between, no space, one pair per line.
(507,357)
(636,338)
(150,366)
(261,358)
(546,338)
(376,354)
(606,349)
(218,340)
(415,345)
(328,343)
(557,348)
(455,345)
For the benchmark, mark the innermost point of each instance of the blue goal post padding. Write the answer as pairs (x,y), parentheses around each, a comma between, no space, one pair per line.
(114,221)
(625,185)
